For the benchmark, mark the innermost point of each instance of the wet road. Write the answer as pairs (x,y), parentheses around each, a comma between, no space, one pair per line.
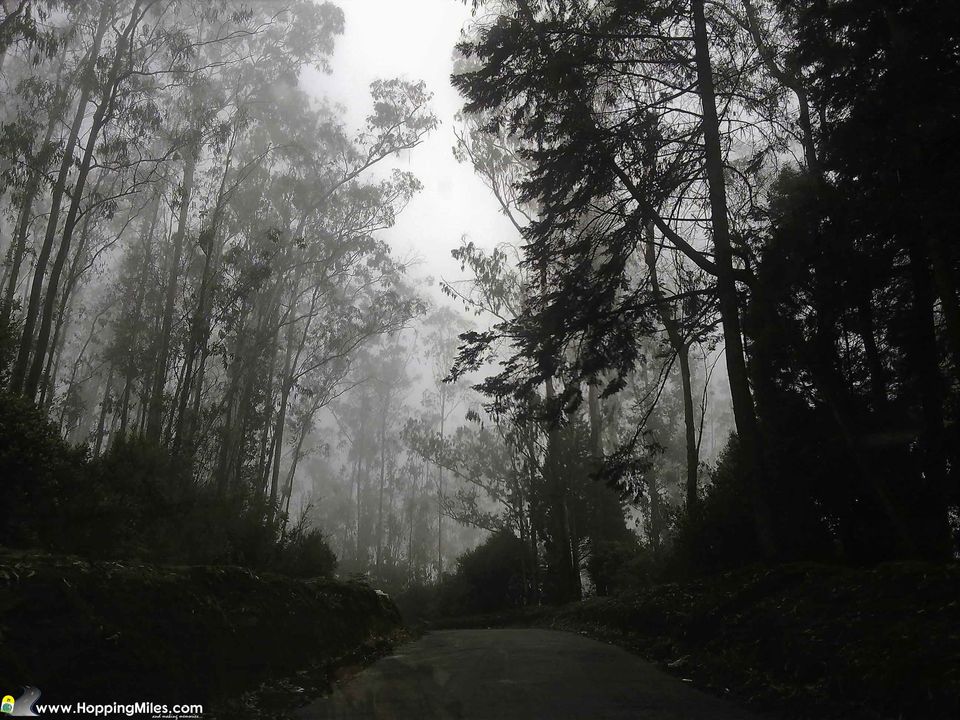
(516,674)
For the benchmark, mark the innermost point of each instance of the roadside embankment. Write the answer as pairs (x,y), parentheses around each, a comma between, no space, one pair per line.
(800,641)
(119,631)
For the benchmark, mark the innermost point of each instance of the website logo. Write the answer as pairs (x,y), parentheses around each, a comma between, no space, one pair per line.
(23,705)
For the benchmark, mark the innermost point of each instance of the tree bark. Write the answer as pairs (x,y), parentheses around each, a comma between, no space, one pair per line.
(286,381)
(10,14)
(129,365)
(73,276)
(360,446)
(198,337)
(18,244)
(87,81)
(793,82)
(443,411)
(292,472)
(104,409)
(944,277)
(924,361)
(52,370)
(568,570)
(101,114)
(743,408)
(681,349)
(383,460)
(155,408)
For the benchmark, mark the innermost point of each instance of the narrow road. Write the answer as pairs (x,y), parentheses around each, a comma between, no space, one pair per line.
(516,674)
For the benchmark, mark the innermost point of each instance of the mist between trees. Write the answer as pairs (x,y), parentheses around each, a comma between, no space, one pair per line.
(715,231)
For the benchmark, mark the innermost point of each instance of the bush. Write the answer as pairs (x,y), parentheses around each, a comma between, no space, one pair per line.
(122,631)
(721,533)
(44,477)
(304,553)
(136,501)
(618,566)
(417,602)
(10,333)
(489,578)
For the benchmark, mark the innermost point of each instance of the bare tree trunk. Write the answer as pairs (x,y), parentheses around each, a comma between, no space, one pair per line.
(656,526)
(104,409)
(383,456)
(941,255)
(292,472)
(269,467)
(690,428)
(923,357)
(569,571)
(443,417)
(791,81)
(129,368)
(198,337)
(155,408)
(11,12)
(743,408)
(413,509)
(267,423)
(360,442)
(236,398)
(73,276)
(18,247)
(100,116)
(199,329)
(52,370)
(535,561)
(286,383)
(681,349)
(18,244)
(878,375)
(78,361)
(87,81)
(596,422)
(171,416)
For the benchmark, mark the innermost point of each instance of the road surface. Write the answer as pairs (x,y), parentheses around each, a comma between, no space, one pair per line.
(516,675)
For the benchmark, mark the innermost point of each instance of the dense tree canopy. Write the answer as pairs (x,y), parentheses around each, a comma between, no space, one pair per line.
(189,239)
(697,166)
(731,215)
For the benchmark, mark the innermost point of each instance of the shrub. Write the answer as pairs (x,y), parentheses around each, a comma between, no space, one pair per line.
(304,553)
(615,565)
(44,477)
(136,501)
(416,602)
(720,534)
(489,578)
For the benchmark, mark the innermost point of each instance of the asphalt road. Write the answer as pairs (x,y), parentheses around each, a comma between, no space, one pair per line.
(516,674)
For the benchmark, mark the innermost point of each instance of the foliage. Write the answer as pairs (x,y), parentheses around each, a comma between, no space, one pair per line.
(487,579)
(618,566)
(120,631)
(694,167)
(303,552)
(43,476)
(137,501)
(417,602)
(193,267)
(802,640)
(720,534)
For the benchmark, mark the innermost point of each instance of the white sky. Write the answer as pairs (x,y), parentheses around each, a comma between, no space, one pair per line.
(414,39)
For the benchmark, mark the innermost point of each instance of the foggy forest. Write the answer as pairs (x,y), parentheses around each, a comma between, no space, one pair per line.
(637,319)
